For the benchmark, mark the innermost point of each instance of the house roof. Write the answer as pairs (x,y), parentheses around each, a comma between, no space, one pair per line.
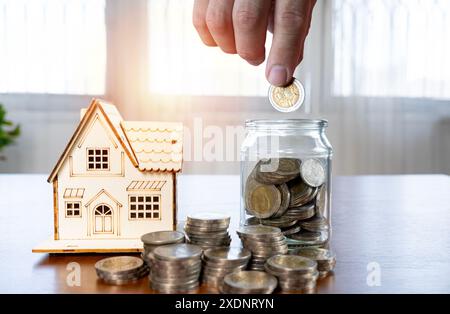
(158,146)
(151,146)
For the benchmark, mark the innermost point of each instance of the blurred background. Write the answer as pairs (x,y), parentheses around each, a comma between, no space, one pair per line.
(378,70)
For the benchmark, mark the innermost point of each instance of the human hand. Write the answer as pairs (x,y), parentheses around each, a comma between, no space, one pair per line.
(240,26)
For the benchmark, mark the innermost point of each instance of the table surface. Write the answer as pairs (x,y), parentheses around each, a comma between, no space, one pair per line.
(391,234)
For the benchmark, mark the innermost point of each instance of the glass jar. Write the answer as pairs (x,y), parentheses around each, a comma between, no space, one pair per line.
(286,179)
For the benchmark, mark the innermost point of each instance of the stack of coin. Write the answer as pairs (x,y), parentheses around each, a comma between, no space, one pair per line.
(294,273)
(175,268)
(290,194)
(208,230)
(248,282)
(120,270)
(154,239)
(326,260)
(219,262)
(263,242)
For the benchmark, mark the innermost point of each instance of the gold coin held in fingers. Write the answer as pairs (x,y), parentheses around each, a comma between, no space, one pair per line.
(288,98)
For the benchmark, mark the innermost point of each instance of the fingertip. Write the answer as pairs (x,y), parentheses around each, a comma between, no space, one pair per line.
(208,42)
(278,75)
(229,50)
(253,57)
(256,62)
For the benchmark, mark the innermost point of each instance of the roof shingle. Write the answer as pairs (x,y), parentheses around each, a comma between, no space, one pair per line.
(158,146)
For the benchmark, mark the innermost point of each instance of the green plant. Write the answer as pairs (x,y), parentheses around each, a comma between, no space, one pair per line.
(8,131)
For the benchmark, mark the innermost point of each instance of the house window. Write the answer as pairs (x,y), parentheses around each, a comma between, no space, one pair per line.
(73,209)
(98,158)
(145,207)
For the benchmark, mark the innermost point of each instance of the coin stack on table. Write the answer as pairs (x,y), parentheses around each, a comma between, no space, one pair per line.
(219,262)
(208,230)
(263,242)
(154,239)
(294,273)
(290,194)
(120,270)
(175,268)
(326,260)
(248,282)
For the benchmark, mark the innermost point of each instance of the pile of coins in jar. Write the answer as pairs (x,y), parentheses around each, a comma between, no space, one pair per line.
(289,194)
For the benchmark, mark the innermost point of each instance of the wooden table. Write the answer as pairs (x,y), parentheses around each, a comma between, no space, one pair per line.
(391,234)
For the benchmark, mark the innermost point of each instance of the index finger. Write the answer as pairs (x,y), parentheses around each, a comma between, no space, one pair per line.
(199,21)
(291,23)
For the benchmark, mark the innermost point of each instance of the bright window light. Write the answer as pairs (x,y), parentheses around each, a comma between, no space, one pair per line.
(391,48)
(181,64)
(52,46)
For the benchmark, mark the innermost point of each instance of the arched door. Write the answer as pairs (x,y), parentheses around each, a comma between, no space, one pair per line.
(103,219)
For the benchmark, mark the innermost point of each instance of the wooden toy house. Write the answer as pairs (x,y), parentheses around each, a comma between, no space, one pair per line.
(115,181)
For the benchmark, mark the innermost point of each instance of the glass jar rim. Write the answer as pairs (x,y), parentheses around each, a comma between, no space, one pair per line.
(290,124)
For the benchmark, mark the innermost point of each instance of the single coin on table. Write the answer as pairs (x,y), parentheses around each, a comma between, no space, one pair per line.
(326,259)
(219,262)
(291,264)
(175,268)
(288,98)
(177,252)
(119,264)
(208,218)
(162,237)
(294,273)
(120,270)
(248,282)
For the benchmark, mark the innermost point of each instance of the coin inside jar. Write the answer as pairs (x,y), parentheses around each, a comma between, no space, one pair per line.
(312,172)
(277,170)
(285,200)
(282,222)
(307,236)
(321,200)
(301,193)
(316,223)
(288,98)
(262,200)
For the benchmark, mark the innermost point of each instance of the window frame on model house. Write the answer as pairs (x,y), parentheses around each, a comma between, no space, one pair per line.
(134,211)
(72,209)
(94,155)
